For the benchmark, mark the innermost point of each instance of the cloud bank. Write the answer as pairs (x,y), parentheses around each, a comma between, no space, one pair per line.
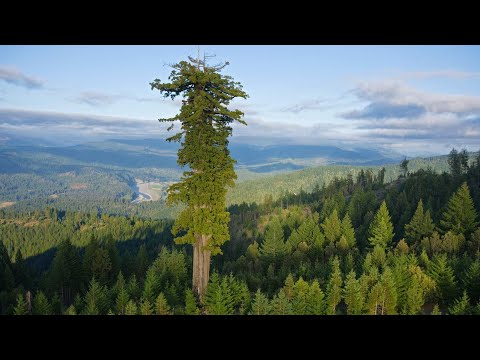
(14,76)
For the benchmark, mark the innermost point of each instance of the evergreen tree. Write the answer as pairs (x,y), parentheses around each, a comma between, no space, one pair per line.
(334,288)
(375,299)
(353,295)
(161,305)
(289,287)
(273,248)
(348,232)
(89,257)
(332,227)
(444,276)
(472,281)
(119,284)
(131,308)
(95,299)
(218,298)
(299,302)
(389,303)
(71,310)
(151,286)
(308,233)
(122,301)
(101,265)
(414,298)
(460,216)
(315,300)
(404,167)
(41,306)
(146,308)
(133,288)
(381,229)
(66,271)
(78,303)
(205,128)
(281,305)
(113,255)
(436,310)
(260,305)
(21,306)
(420,226)
(454,161)
(191,307)
(141,261)
(460,306)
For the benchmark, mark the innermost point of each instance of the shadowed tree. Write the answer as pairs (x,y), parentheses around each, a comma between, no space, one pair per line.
(404,167)
(205,123)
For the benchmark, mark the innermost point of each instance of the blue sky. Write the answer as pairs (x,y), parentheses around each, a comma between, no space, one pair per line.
(415,100)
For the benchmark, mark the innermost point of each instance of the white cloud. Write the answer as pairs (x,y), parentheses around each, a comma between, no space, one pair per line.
(14,76)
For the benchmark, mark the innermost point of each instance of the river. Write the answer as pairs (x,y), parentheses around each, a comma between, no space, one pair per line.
(141,195)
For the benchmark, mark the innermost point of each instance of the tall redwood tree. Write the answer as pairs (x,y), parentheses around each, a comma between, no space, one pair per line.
(205,126)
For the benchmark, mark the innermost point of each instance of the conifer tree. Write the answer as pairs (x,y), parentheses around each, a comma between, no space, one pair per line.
(191,307)
(161,305)
(420,226)
(461,306)
(348,232)
(101,265)
(315,299)
(146,308)
(334,288)
(353,295)
(141,261)
(218,298)
(260,305)
(289,287)
(381,229)
(71,310)
(472,281)
(205,123)
(299,302)
(66,271)
(21,305)
(151,286)
(460,216)
(133,288)
(414,298)
(122,301)
(389,303)
(119,284)
(332,227)
(444,276)
(41,305)
(281,305)
(131,308)
(375,298)
(436,310)
(95,299)
(273,248)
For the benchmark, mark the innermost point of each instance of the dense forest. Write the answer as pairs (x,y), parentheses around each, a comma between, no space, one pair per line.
(356,244)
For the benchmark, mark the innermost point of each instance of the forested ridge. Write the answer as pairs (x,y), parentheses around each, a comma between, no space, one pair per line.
(354,245)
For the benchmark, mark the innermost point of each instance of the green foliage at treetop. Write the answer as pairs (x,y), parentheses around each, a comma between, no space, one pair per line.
(205,123)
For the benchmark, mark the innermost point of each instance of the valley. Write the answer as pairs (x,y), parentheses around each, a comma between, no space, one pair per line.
(125,176)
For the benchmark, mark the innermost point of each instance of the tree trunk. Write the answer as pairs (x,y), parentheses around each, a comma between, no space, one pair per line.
(201,266)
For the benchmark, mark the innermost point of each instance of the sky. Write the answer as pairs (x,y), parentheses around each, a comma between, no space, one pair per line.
(411,100)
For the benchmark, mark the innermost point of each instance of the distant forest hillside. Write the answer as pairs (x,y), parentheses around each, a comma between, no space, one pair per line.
(100,177)
(294,182)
